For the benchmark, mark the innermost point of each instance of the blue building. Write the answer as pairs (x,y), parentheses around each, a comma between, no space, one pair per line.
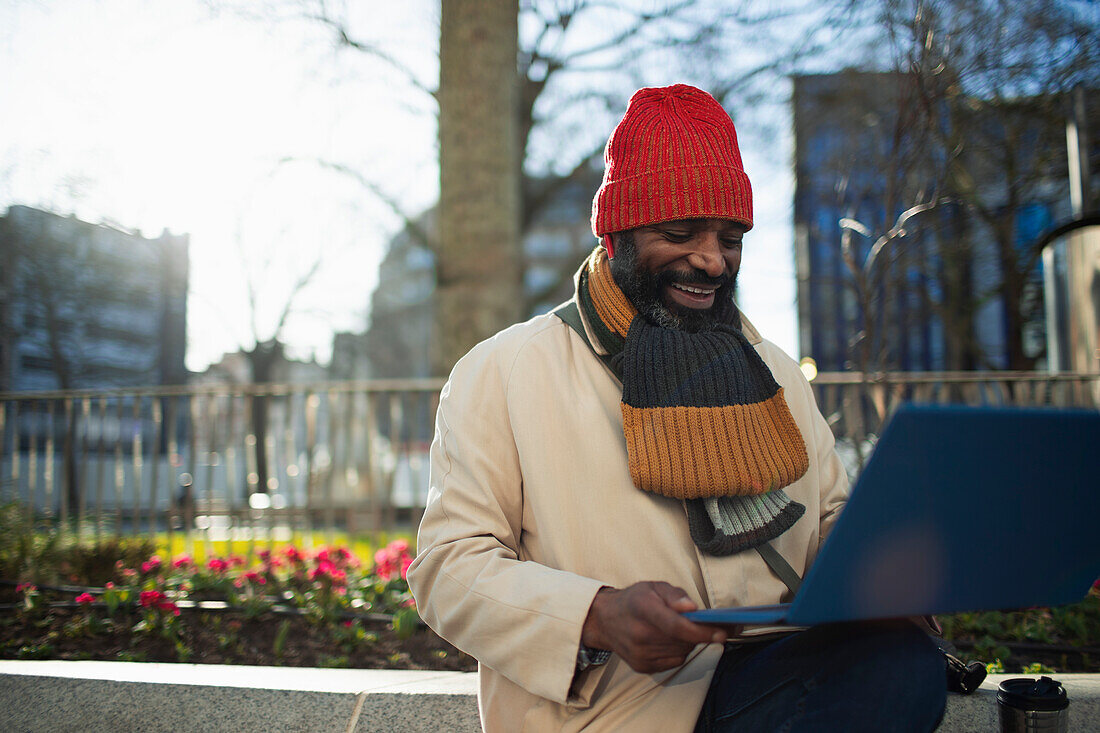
(962,287)
(89,306)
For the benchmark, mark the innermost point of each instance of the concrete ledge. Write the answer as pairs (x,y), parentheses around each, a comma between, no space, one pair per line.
(130,696)
(978,712)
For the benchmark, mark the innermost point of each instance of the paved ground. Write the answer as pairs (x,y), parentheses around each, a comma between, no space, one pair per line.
(129,696)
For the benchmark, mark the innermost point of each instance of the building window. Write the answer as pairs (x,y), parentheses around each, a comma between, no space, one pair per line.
(33,363)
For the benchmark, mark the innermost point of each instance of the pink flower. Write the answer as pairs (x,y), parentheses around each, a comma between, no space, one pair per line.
(409,603)
(85,599)
(153,563)
(393,559)
(182,561)
(255,577)
(156,599)
(217,565)
(292,554)
(236,561)
(26,588)
(110,585)
(383,565)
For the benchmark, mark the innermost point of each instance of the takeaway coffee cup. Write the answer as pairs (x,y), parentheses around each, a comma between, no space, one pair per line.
(1025,705)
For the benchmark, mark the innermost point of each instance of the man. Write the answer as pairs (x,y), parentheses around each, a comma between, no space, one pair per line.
(590,484)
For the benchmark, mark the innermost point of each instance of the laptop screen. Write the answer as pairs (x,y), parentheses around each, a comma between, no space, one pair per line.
(963,509)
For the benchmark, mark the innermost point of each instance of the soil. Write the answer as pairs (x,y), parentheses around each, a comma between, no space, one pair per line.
(224,637)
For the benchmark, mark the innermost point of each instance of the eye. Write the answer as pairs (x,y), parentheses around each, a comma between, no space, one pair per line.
(677,236)
(732,242)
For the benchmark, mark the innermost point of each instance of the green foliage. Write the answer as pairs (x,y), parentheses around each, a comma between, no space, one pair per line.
(280,638)
(405,622)
(183,652)
(25,552)
(47,556)
(144,592)
(128,655)
(115,598)
(97,564)
(1077,624)
(992,634)
(36,651)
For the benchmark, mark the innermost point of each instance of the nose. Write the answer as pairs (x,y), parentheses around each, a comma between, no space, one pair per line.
(706,254)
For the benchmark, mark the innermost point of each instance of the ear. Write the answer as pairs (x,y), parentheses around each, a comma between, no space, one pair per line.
(609,245)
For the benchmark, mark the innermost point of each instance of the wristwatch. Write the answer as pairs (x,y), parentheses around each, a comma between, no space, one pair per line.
(589,657)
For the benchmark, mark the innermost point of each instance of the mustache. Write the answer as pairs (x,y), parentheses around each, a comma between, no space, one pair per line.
(692,277)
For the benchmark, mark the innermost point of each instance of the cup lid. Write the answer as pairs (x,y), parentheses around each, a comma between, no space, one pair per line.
(1029,694)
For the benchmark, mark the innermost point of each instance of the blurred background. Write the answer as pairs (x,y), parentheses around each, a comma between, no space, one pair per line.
(243,241)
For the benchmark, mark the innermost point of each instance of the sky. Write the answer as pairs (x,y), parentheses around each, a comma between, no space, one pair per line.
(167,116)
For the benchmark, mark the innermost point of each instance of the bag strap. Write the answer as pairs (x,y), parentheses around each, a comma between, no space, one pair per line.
(569,313)
(780,567)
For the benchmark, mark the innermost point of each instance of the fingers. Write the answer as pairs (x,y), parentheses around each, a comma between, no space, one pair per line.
(674,597)
(669,621)
(643,624)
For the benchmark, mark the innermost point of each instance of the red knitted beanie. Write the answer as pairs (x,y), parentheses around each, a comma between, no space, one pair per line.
(673,156)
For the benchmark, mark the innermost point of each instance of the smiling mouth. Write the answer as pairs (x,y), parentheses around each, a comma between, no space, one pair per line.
(690,296)
(694,290)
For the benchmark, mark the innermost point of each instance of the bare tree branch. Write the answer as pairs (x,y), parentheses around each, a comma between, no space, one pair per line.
(412,225)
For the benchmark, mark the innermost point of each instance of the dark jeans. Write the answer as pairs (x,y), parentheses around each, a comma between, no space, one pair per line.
(882,676)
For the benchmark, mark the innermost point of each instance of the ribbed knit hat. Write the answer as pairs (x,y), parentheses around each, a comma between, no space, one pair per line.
(673,156)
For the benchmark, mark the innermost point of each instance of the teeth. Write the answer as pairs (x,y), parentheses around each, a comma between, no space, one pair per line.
(688,288)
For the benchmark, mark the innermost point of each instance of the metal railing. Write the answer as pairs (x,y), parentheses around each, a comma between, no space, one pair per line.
(256,462)
(265,461)
(857,405)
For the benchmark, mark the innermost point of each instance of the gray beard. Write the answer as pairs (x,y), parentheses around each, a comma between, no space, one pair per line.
(643,289)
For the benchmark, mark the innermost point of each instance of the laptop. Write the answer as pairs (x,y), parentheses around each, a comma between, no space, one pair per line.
(958,509)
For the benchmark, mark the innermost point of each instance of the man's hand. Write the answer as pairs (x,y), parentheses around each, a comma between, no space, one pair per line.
(643,625)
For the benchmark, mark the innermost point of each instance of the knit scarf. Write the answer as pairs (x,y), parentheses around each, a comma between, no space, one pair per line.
(704,419)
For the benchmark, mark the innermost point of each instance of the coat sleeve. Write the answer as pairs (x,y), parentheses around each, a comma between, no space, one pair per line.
(832,479)
(470,580)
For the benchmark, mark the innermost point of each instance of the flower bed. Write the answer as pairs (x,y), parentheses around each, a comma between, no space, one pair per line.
(290,606)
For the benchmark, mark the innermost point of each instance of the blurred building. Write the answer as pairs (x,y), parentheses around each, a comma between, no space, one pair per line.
(89,306)
(398,340)
(237,367)
(963,287)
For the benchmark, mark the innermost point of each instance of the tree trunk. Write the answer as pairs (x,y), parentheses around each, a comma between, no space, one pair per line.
(263,357)
(478,262)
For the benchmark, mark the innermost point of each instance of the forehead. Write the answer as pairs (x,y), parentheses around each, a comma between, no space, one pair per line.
(722,226)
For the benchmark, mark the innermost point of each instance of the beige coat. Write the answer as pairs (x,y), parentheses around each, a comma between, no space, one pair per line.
(531,510)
